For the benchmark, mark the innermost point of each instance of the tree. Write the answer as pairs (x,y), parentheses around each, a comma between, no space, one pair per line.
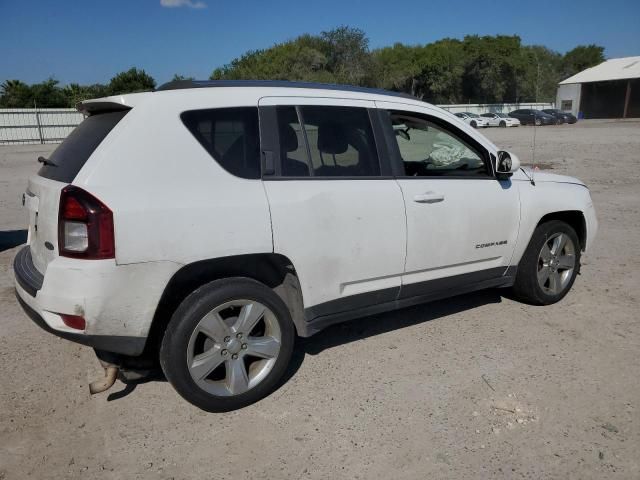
(337,56)
(180,78)
(133,80)
(442,72)
(75,93)
(347,52)
(15,94)
(490,67)
(581,58)
(48,94)
(397,67)
(483,69)
(538,74)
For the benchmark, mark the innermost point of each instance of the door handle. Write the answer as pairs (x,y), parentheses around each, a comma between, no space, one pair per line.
(429,197)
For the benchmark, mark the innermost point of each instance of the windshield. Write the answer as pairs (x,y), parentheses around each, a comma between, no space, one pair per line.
(502,115)
(473,115)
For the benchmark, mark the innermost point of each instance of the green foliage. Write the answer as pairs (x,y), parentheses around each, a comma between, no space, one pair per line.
(48,94)
(15,94)
(133,80)
(476,69)
(490,67)
(538,74)
(178,78)
(75,93)
(580,58)
(340,55)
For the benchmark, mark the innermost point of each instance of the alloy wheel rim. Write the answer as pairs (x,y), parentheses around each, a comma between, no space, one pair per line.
(234,347)
(556,263)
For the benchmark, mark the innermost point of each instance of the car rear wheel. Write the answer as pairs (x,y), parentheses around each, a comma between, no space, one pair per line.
(228,344)
(549,265)
(538,122)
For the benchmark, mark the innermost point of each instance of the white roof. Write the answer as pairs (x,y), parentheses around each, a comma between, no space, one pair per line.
(614,69)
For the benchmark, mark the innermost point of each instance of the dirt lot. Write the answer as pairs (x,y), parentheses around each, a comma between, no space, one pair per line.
(477,386)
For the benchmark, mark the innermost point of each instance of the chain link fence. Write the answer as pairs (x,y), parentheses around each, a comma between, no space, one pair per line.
(37,125)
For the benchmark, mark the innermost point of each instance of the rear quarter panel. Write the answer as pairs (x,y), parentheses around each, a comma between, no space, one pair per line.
(171,200)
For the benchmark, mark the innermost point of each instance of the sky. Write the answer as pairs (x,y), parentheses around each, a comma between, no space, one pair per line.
(89,41)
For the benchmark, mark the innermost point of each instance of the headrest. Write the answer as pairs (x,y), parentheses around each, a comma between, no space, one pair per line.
(288,139)
(332,138)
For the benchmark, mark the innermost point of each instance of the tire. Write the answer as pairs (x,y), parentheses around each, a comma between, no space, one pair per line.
(537,122)
(503,124)
(530,286)
(189,356)
(474,124)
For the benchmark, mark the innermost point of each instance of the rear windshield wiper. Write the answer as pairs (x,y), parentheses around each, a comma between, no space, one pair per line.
(47,162)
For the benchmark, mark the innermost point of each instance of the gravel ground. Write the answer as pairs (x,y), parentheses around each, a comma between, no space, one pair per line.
(477,386)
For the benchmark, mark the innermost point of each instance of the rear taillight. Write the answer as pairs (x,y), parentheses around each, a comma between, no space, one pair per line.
(85,226)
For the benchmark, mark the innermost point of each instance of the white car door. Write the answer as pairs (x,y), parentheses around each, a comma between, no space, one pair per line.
(493,120)
(462,223)
(336,211)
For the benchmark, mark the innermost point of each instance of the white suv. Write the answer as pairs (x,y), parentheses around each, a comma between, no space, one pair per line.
(206,224)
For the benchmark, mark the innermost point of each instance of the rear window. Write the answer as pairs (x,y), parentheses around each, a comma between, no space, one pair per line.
(73,153)
(230,135)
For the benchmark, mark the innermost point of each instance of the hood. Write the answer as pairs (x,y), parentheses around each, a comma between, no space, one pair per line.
(546,176)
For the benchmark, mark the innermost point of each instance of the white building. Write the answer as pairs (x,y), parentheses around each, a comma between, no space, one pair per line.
(608,90)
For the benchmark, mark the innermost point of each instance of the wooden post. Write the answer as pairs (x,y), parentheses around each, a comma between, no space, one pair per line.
(626,99)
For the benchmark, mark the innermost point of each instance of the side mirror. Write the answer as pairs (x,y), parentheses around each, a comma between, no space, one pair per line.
(506,164)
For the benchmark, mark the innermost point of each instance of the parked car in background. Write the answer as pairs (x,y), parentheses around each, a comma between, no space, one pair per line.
(476,121)
(500,120)
(528,116)
(563,117)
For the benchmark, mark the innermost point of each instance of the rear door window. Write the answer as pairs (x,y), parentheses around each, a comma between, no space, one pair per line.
(327,141)
(230,135)
(67,160)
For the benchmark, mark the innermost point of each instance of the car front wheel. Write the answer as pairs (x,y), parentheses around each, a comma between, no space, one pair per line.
(550,264)
(503,124)
(228,344)
(474,124)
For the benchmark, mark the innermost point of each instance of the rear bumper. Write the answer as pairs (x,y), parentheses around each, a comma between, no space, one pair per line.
(115,344)
(118,302)
(27,276)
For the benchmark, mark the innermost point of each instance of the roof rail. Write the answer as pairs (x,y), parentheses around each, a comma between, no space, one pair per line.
(181,84)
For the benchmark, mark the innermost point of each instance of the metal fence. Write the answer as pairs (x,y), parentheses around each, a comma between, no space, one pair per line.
(52,125)
(37,125)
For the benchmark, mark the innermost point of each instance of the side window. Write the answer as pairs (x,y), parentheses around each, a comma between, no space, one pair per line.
(293,150)
(428,149)
(339,142)
(230,135)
